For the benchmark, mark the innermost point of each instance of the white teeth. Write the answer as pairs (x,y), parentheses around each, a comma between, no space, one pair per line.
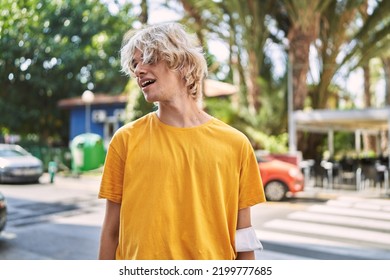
(147,82)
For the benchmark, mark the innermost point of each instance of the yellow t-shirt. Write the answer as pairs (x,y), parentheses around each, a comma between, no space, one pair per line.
(180,189)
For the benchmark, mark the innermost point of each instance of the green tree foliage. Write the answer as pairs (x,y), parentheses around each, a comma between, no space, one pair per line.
(372,38)
(244,27)
(235,22)
(342,26)
(352,33)
(52,50)
(341,34)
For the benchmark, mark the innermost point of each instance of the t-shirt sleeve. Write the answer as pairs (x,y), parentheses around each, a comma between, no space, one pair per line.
(251,190)
(111,185)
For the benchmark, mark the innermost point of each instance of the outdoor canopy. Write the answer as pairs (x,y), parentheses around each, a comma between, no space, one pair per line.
(370,120)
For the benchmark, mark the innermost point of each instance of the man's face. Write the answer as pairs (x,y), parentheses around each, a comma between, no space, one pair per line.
(157,81)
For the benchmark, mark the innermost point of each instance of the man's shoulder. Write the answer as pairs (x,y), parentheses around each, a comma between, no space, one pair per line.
(227,131)
(140,122)
(227,128)
(133,127)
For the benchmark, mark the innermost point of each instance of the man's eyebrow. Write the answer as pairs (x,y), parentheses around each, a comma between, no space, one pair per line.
(134,60)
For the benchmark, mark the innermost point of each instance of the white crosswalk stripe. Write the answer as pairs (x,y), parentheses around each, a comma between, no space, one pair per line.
(341,220)
(343,228)
(337,210)
(331,231)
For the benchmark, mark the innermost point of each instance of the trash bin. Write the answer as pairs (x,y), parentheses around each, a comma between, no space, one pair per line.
(87,151)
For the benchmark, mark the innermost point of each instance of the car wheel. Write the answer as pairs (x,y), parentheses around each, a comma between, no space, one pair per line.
(275,191)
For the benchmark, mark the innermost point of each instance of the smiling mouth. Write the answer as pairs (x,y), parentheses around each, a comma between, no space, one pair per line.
(147,83)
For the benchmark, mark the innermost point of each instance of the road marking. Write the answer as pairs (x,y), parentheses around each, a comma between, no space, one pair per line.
(349,221)
(330,231)
(291,239)
(382,202)
(343,228)
(360,204)
(350,212)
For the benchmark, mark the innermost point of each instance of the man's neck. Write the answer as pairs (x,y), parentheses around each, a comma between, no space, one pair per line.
(185,115)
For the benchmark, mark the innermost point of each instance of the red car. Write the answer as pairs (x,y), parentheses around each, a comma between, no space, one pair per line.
(279,178)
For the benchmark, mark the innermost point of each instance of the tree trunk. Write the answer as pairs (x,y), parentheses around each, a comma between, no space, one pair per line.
(367,84)
(254,90)
(300,41)
(369,141)
(144,16)
(311,145)
(386,68)
(299,54)
(198,22)
(321,95)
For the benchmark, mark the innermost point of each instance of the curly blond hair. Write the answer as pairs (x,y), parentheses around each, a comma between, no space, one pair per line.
(171,43)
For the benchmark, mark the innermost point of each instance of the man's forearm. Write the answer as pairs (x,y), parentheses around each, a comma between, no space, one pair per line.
(246,255)
(107,248)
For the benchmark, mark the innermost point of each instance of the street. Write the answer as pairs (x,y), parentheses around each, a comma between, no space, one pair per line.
(62,221)
(333,225)
(52,221)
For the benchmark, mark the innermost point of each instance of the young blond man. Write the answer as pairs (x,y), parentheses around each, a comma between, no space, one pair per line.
(178,182)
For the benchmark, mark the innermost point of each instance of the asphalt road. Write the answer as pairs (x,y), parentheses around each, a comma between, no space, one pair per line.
(52,221)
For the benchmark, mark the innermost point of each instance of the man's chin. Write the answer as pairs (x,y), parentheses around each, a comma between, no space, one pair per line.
(150,99)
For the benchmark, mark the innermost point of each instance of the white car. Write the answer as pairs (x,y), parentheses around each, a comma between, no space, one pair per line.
(18,166)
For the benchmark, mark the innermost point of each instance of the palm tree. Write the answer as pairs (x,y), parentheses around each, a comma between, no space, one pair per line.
(340,36)
(304,16)
(242,24)
(386,68)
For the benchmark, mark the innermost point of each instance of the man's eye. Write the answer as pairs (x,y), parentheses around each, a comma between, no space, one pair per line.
(150,61)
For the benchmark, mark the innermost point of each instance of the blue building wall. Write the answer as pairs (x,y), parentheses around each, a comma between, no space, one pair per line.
(78,119)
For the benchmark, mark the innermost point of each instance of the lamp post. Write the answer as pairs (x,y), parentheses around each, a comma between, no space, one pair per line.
(87,98)
(292,146)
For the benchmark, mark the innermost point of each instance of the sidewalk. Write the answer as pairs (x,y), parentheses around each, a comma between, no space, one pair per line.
(87,179)
(62,188)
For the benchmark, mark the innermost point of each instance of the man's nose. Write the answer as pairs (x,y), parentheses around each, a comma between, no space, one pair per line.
(140,69)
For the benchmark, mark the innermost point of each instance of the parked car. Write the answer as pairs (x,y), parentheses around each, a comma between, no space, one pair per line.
(3,212)
(18,166)
(279,178)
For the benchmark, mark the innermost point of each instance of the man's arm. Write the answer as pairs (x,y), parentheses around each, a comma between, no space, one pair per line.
(110,231)
(244,221)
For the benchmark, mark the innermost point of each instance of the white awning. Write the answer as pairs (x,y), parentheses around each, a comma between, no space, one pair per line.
(370,120)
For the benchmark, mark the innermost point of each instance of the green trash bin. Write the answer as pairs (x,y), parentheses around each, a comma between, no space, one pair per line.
(87,151)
